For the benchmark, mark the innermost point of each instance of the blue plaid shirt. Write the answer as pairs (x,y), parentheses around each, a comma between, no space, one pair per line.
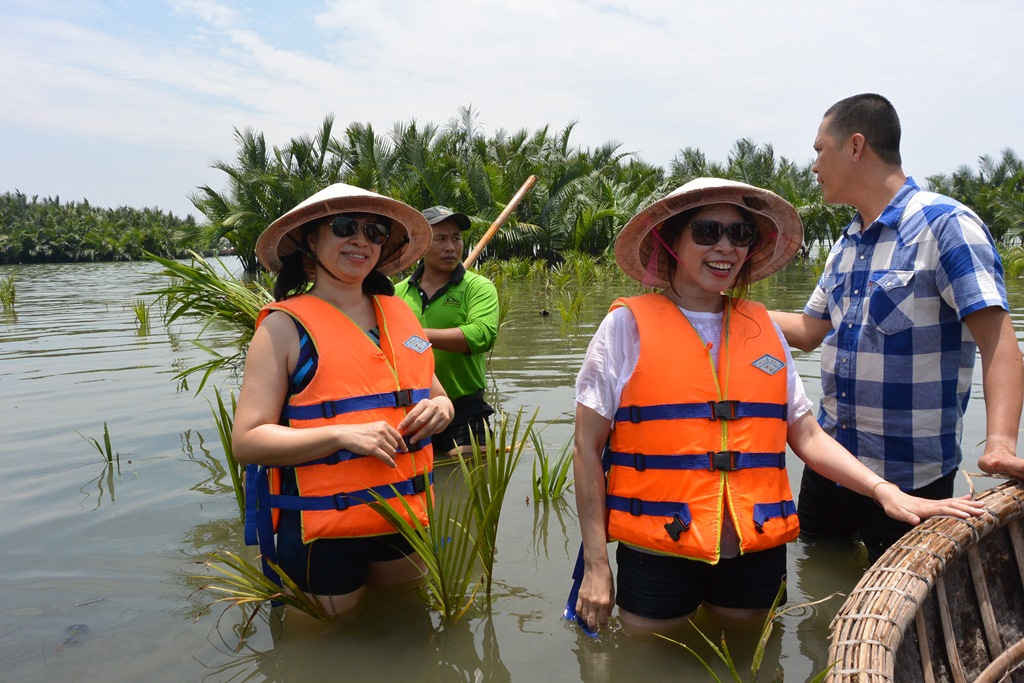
(896,367)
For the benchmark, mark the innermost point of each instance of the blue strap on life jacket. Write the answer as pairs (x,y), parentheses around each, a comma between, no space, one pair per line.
(708,410)
(651,508)
(259,525)
(329,409)
(765,511)
(343,501)
(343,455)
(720,460)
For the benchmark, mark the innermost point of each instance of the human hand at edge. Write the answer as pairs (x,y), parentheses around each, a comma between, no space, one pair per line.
(427,417)
(596,597)
(913,509)
(375,439)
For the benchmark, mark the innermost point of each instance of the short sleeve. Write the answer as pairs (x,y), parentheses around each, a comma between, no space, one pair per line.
(969,275)
(797,403)
(609,363)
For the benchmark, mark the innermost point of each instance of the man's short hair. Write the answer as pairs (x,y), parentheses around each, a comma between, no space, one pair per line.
(872,116)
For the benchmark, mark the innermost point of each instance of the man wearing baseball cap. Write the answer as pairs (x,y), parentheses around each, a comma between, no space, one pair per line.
(459,312)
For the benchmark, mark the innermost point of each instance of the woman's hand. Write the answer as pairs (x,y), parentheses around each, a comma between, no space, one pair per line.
(912,509)
(596,597)
(375,439)
(427,417)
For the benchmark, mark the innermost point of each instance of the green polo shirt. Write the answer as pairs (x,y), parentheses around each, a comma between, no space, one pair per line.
(469,302)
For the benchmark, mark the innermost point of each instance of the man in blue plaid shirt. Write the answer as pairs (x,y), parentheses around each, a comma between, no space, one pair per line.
(901,306)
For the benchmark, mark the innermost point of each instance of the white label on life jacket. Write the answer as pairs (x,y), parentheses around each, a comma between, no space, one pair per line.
(417,343)
(768,364)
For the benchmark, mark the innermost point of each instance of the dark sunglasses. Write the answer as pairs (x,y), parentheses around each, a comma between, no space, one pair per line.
(708,232)
(374,231)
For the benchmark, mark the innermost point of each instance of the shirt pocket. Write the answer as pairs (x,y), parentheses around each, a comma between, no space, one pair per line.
(891,300)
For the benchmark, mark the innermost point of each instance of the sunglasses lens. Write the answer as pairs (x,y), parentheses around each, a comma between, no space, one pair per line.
(344,226)
(376,232)
(707,233)
(742,234)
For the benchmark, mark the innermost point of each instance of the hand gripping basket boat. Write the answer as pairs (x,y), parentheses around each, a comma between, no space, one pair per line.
(945,603)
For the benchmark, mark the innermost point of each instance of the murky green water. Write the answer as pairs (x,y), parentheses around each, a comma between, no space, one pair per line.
(94,557)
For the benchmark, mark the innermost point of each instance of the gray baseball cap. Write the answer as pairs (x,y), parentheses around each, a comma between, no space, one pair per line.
(436,214)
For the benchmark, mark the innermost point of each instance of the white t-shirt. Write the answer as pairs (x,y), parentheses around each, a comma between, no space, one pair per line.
(615,348)
(612,356)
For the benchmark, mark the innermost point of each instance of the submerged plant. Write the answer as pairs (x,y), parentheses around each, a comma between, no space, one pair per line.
(721,651)
(141,310)
(105,450)
(487,474)
(7,292)
(244,585)
(550,477)
(225,421)
(447,547)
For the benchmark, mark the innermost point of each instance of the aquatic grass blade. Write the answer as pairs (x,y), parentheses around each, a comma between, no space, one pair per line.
(703,662)
(225,423)
(766,631)
(243,583)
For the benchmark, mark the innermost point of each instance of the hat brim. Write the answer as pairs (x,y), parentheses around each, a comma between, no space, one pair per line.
(461,220)
(410,233)
(780,228)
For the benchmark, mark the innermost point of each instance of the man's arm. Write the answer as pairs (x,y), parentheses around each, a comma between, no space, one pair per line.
(801,330)
(1003,379)
(478,332)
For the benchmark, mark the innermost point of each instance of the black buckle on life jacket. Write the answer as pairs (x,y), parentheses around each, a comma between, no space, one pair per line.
(723,410)
(639,462)
(341,501)
(634,414)
(723,460)
(676,527)
(327,408)
(636,507)
(403,398)
(419,484)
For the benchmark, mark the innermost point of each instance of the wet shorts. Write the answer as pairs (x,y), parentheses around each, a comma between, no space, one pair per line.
(333,566)
(663,587)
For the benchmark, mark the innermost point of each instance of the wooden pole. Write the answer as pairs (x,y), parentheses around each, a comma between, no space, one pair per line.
(502,217)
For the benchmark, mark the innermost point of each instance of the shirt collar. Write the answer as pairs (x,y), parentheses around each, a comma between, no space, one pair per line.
(455,278)
(891,214)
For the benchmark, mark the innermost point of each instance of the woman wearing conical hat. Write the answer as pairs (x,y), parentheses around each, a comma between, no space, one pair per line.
(685,403)
(339,397)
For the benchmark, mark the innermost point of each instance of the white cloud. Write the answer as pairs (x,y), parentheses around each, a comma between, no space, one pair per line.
(655,76)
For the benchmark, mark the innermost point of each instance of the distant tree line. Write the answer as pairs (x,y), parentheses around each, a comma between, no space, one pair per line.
(583,196)
(582,199)
(34,230)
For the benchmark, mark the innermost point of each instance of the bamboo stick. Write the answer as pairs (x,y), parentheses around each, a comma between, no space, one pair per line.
(1017,540)
(502,217)
(988,616)
(922,646)
(955,666)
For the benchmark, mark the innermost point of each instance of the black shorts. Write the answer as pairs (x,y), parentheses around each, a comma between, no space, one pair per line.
(336,566)
(830,511)
(458,435)
(663,587)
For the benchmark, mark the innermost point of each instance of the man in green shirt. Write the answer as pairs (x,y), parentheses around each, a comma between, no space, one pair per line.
(459,312)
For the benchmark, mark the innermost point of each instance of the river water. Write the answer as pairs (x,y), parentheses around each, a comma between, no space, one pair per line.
(96,557)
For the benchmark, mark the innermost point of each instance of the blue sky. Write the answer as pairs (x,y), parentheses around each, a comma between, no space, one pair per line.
(130,102)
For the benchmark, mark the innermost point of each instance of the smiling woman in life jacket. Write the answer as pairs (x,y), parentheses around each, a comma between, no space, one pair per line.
(339,396)
(684,405)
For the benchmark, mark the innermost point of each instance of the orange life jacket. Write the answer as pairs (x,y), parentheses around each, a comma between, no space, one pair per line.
(686,435)
(355,382)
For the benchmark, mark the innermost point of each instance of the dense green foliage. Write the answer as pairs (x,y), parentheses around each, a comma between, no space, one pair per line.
(583,196)
(36,231)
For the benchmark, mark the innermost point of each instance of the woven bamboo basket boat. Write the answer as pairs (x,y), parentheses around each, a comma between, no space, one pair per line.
(945,603)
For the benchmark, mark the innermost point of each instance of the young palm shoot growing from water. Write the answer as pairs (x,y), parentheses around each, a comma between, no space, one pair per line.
(488,472)
(141,310)
(200,292)
(550,478)
(7,292)
(447,548)
(723,654)
(225,421)
(105,450)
